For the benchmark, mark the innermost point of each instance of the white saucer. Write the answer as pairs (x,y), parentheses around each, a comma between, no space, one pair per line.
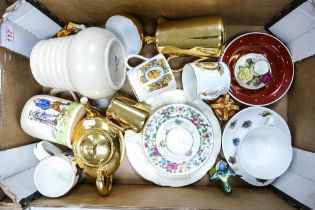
(141,163)
(238,126)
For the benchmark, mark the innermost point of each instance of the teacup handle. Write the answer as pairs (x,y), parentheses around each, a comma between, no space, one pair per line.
(104,183)
(45,149)
(55,91)
(205,97)
(133,56)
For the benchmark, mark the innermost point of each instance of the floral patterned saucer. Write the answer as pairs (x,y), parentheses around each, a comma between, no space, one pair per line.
(238,126)
(139,160)
(178,139)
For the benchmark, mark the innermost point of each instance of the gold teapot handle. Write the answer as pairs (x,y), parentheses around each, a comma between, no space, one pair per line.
(104,183)
(182,68)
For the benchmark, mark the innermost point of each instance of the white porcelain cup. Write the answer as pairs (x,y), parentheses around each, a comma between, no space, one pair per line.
(46,149)
(90,62)
(206,80)
(150,78)
(265,152)
(50,118)
(56,175)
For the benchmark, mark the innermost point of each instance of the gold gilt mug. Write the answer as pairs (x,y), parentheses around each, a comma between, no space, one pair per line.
(201,37)
(98,143)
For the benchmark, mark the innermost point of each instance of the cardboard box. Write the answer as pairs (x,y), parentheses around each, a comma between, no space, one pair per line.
(130,190)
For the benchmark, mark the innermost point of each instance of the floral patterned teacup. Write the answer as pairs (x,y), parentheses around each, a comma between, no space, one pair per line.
(50,118)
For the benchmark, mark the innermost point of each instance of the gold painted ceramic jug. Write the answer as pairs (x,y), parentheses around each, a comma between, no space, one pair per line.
(98,143)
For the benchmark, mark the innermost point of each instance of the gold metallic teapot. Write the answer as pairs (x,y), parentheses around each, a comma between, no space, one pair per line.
(98,143)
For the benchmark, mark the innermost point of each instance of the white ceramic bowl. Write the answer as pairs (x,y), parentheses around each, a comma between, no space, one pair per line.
(265,152)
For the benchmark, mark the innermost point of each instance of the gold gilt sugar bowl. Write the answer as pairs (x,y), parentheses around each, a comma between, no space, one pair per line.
(98,143)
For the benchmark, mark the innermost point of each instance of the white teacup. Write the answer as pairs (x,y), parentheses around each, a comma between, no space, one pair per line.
(265,152)
(50,118)
(46,149)
(152,77)
(56,175)
(206,80)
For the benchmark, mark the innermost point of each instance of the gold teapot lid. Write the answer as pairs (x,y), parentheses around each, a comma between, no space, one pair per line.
(98,146)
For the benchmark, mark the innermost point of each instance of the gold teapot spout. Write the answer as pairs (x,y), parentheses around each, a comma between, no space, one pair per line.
(90,111)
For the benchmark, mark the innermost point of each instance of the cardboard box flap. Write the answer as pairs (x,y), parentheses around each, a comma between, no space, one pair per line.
(18,85)
(24,24)
(299,181)
(27,15)
(296,28)
(301,108)
(97,11)
(17,175)
(148,196)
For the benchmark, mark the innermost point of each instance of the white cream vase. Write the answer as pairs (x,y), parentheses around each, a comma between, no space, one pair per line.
(90,63)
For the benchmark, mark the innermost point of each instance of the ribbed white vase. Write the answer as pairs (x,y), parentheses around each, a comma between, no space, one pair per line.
(90,62)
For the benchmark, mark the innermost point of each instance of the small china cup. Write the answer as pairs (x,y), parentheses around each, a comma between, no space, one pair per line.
(56,175)
(51,118)
(206,80)
(152,77)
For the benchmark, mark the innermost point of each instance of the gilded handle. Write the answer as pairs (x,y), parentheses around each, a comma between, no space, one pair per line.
(104,183)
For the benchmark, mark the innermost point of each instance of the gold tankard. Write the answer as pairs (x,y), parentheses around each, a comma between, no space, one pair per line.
(98,143)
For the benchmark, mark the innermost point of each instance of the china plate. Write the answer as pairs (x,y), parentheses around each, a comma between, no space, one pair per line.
(139,160)
(238,126)
(178,139)
(280,62)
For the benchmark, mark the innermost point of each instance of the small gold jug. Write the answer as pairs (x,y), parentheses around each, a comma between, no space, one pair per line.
(127,113)
(98,142)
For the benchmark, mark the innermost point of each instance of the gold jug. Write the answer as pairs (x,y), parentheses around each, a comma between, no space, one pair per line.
(98,142)
(200,37)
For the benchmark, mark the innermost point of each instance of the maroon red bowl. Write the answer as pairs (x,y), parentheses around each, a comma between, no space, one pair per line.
(280,60)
